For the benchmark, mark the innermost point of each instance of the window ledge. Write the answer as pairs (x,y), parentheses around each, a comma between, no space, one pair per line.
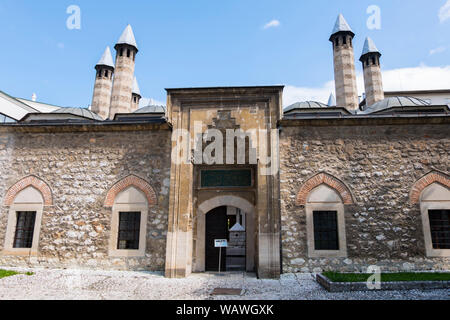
(127,253)
(328,254)
(20,252)
(438,253)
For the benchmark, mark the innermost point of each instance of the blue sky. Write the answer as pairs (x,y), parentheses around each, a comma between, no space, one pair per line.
(217,43)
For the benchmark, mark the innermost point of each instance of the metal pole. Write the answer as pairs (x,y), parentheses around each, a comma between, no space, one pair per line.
(220,258)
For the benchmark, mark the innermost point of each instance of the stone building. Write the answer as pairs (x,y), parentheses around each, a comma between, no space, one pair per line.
(338,186)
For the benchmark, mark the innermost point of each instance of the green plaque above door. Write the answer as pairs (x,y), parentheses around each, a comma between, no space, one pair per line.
(226,178)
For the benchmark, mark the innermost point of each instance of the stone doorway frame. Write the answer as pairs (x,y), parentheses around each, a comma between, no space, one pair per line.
(225,201)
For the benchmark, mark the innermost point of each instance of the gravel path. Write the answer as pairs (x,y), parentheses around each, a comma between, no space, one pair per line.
(115,285)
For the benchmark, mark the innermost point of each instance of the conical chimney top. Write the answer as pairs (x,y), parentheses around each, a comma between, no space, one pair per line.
(369,47)
(341,25)
(106,59)
(127,37)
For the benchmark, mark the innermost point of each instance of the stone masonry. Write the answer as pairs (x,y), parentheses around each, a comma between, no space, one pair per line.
(123,80)
(380,165)
(373,81)
(102,91)
(80,168)
(345,74)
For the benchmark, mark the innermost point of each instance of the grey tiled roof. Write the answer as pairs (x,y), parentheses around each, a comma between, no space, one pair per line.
(81,112)
(6,119)
(151,109)
(394,102)
(306,105)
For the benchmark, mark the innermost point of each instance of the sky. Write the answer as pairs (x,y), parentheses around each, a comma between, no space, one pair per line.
(207,43)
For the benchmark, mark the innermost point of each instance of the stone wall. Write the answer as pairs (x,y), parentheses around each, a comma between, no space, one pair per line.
(80,168)
(379,164)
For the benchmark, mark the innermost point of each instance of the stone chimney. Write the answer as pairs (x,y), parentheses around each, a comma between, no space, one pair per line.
(103,84)
(373,81)
(344,65)
(135,96)
(126,50)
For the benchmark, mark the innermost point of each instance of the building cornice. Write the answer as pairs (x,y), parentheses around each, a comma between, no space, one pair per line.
(365,121)
(83,127)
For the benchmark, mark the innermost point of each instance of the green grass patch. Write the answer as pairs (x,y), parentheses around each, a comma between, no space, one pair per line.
(7,273)
(387,277)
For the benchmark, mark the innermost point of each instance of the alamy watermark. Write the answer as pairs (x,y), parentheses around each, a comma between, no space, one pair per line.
(73,22)
(374,281)
(227,146)
(374,20)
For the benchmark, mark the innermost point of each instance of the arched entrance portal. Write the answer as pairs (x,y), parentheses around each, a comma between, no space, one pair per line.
(215,220)
(227,223)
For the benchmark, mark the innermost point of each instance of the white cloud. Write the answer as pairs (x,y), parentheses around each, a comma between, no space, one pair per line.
(437,50)
(404,79)
(418,78)
(294,94)
(444,12)
(273,24)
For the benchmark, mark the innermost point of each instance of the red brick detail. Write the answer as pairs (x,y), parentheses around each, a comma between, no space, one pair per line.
(129,181)
(429,179)
(324,178)
(33,181)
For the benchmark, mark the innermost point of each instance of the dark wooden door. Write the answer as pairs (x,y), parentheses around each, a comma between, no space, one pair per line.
(216,228)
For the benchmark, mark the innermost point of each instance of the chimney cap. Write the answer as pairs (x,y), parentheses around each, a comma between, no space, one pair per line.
(136,89)
(332,100)
(369,47)
(106,59)
(127,37)
(341,25)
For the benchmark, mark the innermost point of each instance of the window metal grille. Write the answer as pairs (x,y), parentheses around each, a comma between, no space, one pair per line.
(326,230)
(24,229)
(440,228)
(129,230)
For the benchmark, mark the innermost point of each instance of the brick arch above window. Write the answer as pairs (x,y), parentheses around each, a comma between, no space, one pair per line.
(427,180)
(326,179)
(131,181)
(30,181)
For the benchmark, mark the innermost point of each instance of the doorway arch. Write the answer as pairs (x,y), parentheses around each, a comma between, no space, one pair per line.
(225,201)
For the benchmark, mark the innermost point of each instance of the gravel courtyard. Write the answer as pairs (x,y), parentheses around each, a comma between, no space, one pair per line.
(115,285)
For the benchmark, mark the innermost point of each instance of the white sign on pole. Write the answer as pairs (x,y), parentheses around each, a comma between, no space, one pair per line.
(221,243)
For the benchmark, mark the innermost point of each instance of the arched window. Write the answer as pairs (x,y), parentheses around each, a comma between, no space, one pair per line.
(435,211)
(24,222)
(325,223)
(130,200)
